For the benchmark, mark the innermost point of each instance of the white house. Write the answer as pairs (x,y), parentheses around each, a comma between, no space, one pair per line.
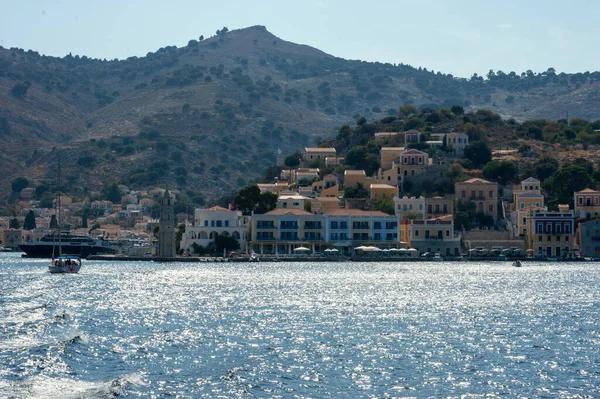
(208,223)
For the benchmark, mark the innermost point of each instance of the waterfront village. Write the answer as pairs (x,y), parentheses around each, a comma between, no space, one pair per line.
(318,219)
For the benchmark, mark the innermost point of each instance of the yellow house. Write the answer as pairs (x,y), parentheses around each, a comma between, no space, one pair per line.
(529,200)
(389,156)
(322,205)
(530,185)
(312,153)
(333,191)
(354,177)
(389,176)
(383,191)
(386,137)
(482,193)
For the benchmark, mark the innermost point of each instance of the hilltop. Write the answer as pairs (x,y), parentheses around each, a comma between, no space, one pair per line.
(209,117)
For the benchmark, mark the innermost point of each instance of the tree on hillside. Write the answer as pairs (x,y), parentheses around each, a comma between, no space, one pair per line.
(502,171)
(292,160)
(360,158)
(113,194)
(457,110)
(407,110)
(479,153)
(567,180)
(545,167)
(29,223)
(20,89)
(19,184)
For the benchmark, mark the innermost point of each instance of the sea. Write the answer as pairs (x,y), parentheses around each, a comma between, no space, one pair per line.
(299,330)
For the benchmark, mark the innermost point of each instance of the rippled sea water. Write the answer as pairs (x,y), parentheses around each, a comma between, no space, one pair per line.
(299,330)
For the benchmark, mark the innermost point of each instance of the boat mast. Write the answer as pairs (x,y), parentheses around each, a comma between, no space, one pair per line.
(59,219)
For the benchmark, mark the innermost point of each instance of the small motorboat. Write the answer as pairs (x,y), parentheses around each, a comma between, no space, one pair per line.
(517,263)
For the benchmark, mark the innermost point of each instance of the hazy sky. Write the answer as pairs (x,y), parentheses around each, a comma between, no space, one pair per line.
(453,36)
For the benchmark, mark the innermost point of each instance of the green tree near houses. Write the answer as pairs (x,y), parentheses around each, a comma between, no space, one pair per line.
(29,223)
(567,180)
(113,194)
(479,153)
(19,184)
(249,199)
(13,223)
(385,205)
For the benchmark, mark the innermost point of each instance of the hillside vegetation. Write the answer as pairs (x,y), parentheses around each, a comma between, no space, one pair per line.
(210,116)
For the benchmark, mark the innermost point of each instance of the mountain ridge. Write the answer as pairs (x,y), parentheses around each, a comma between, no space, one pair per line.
(241,94)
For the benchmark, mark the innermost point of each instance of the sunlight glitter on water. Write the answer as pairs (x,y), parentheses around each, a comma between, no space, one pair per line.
(299,330)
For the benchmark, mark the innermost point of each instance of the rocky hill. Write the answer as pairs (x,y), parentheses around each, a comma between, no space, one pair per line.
(209,117)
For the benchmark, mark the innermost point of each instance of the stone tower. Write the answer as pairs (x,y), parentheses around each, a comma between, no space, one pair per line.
(166,233)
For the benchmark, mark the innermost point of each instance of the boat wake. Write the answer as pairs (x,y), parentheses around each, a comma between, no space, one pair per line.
(43,386)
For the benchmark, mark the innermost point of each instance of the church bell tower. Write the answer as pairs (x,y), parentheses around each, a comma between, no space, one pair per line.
(166,232)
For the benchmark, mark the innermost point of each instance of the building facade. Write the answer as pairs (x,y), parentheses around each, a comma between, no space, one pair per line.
(587,204)
(434,236)
(281,231)
(482,193)
(211,222)
(589,239)
(413,162)
(438,206)
(553,233)
(312,153)
(409,207)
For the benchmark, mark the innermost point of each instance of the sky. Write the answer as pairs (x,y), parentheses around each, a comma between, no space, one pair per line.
(460,37)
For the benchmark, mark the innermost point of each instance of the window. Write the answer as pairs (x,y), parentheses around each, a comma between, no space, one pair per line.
(227,223)
(426,233)
(463,194)
(580,201)
(206,223)
(539,238)
(549,239)
(447,233)
(491,194)
(522,205)
(480,193)
(416,233)
(524,220)
(491,208)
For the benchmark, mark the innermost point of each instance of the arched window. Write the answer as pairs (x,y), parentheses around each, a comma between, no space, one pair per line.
(235,235)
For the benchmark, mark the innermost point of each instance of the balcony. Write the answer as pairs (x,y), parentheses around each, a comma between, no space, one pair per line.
(268,225)
(595,238)
(289,226)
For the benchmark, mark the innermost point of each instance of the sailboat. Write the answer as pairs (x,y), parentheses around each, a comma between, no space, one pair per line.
(62,263)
